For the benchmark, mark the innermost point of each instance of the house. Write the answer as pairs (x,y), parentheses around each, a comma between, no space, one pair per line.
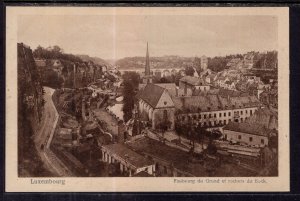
(169,161)
(269,97)
(214,110)
(210,79)
(229,85)
(193,83)
(249,133)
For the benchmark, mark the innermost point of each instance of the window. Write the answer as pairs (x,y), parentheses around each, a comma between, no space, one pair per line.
(242,120)
(250,139)
(220,115)
(229,120)
(229,113)
(224,121)
(215,115)
(262,141)
(246,111)
(199,116)
(165,115)
(209,115)
(205,116)
(241,112)
(250,112)
(204,124)
(215,123)
(224,114)
(240,137)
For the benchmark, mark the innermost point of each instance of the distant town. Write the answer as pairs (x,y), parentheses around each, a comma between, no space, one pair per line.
(169,116)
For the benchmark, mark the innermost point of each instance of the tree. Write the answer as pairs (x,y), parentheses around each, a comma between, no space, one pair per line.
(200,134)
(197,63)
(128,94)
(189,71)
(217,64)
(131,82)
(163,126)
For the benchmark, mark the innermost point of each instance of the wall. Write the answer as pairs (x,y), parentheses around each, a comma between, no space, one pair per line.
(158,115)
(256,140)
(218,119)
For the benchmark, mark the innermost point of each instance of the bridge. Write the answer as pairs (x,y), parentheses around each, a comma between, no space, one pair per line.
(163,72)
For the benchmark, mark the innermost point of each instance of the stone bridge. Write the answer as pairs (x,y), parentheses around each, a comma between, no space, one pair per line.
(162,72)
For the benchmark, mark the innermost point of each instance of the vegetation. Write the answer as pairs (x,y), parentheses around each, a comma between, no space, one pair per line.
(189,71)
(267,61)
(217,64)
(131,82)
(54,52)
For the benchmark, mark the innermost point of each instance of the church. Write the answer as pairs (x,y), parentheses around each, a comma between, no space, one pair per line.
(154,101)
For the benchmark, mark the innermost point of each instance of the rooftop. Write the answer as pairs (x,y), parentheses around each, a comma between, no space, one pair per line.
(175,157)
(128,155)
(151,94)
(213,102)
(249,128)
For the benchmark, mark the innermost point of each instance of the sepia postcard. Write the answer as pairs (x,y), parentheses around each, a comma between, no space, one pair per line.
(147,99)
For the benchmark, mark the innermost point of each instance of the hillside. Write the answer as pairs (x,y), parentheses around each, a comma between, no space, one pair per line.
(155,62)
(95,60)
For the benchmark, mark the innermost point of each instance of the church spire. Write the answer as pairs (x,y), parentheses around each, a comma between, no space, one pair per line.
(147,67)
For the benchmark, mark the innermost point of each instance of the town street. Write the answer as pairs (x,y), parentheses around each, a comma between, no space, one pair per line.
(44,137)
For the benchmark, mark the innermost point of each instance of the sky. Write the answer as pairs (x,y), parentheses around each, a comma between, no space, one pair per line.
(119,36)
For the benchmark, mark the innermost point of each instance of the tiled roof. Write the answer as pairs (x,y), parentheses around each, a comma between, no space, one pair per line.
(151,94)
(266,117)
(153,148)
(250,128)
(127,155)
(211,102)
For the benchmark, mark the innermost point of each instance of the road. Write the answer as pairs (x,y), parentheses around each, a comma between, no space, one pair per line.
(45,135)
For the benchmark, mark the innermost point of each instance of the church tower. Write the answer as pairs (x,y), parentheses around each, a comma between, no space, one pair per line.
(147,78)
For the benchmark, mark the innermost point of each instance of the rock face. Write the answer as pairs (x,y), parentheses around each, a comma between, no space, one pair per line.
(30,104)
(30,90)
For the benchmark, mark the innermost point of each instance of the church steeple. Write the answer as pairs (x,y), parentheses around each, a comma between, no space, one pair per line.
(147,67)
(147,78)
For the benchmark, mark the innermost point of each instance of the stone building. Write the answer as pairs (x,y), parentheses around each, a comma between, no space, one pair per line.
(189,83)
(156,105)
(214,110)
(204,63)
(129,162)
(248,133)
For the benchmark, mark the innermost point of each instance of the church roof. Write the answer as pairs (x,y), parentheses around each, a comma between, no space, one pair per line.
(171,87)
(151,94)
